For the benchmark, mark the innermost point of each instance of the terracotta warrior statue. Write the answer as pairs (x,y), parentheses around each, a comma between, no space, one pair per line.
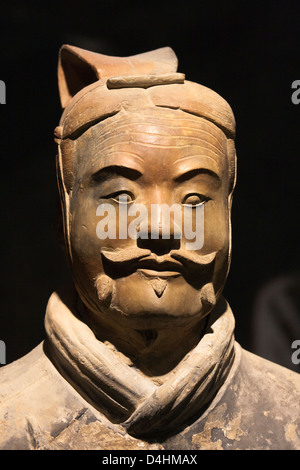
(139,352)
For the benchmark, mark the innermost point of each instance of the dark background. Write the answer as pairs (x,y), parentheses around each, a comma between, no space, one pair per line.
(246,51)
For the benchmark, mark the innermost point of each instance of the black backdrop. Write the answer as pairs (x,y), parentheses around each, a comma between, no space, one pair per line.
(245,50)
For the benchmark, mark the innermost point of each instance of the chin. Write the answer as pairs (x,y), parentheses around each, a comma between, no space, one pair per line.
(151,302)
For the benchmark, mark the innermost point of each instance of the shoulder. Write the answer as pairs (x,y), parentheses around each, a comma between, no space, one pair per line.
(257,408)
(267,376)
(16,378)
(266,396)
(271,395)
(18,381)
(33,397)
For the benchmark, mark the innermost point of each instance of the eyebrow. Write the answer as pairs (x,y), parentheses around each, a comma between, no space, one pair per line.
(193,165)
(194,172)
(112,170)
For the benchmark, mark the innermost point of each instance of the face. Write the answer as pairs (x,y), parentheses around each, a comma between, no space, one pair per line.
(153,157)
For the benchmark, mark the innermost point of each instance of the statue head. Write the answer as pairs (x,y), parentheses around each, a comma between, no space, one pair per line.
(146,171)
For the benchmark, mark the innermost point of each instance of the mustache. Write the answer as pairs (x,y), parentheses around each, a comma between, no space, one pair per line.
(185,258)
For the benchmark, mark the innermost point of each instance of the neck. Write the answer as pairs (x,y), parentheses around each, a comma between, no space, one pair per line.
(145,404)
(155,351)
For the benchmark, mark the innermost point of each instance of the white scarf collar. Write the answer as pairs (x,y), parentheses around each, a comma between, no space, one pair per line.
(121,392)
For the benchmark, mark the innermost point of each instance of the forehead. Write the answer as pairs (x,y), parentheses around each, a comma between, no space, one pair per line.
(151,138)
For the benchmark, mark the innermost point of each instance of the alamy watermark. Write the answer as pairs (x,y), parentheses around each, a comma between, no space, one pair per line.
(296,94)
(296,354)
(2,92)
(187,222)
(2,352)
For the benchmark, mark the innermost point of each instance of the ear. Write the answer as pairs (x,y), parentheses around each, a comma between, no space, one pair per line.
(78,68)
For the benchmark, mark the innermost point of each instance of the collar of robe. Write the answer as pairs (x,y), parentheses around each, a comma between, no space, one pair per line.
(122,393)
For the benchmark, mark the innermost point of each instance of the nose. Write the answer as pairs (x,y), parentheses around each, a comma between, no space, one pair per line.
(163,232)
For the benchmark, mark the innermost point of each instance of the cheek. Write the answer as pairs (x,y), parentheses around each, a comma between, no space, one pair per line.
(85,243)
(216,233)
(211,229)
(217,238)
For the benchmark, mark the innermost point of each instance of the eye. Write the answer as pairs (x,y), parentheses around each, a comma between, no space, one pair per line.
(194,200)
(122,197)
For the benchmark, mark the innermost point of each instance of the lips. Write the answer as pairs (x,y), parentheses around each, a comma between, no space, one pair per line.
(161,269)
